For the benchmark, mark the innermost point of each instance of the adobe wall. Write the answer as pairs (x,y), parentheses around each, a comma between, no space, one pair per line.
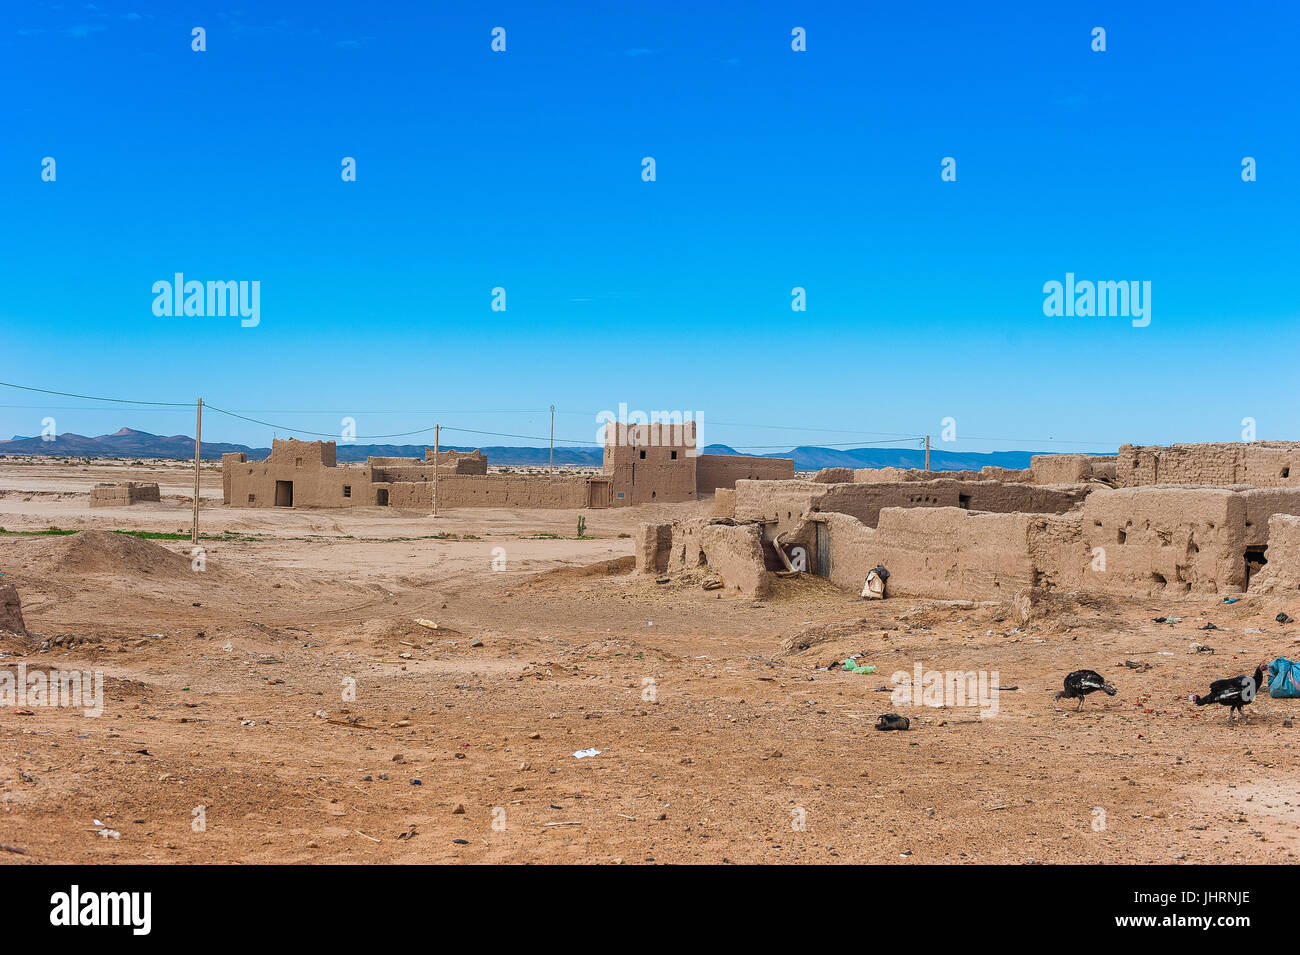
(1261,504)
(1257,463)
(945,552)
(230,461)
(458,462)
(713,471)
(1281,575)
(1157,541)
(124,494)
(1060,468)
(724,504)
(734,552)
(652,544)
(785,502)
(496,490)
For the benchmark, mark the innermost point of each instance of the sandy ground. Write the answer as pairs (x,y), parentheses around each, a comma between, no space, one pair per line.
(727,730)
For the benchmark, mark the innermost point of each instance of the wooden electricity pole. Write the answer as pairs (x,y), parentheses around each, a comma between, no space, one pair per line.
(435,468)
(198,444)
(551,467)
(927,452)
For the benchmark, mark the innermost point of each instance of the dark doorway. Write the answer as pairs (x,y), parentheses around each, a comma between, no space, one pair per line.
(381,496)
(1255,561)
(823,568)
(963,500)
(284,494)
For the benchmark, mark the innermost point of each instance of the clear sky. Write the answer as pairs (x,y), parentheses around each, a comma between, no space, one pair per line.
(774,169)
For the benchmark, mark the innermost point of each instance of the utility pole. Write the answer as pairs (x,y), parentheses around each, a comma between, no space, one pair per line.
(198,443)
(435,468)
(552,464)
(927,452)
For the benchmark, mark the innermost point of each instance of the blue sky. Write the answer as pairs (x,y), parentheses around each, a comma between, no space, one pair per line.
(775,169)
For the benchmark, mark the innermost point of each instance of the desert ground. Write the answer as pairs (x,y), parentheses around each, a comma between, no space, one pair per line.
(727,729)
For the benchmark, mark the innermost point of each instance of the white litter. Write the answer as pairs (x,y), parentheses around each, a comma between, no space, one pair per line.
(583,753)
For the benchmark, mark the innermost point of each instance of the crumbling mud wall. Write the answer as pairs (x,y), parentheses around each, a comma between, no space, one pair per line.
(1281,575)
(1060,468)
(1256,463)
(1162,542)
(724,504)
(11,611)
(1261,504)
(944,552)
(652,545)
(1043,469)
(458,462)
(784,502)
(733,552)
(713,471)
(1159,541)
(123,495)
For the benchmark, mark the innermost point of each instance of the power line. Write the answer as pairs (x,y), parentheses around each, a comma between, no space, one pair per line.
(122,401)
(889,438)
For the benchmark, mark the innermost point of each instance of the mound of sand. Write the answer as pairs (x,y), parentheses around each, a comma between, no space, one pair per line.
(104,552)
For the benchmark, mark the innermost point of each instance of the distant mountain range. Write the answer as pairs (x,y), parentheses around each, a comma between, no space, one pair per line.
(128,443)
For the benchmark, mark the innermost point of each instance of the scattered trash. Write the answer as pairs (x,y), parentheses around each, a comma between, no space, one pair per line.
(1283,618)
(584,753)
(427,624)
(410,833)
(1252,630)
(712,583)
(1169,619)
(663,580)
(109,833)
(13,849)
(892,721)
(1231,600)
(1136,665)
(851,665)
(1200,648)
(1208,626)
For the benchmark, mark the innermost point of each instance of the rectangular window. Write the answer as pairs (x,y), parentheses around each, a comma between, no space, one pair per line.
(643,455)
(347,490)
(674,455)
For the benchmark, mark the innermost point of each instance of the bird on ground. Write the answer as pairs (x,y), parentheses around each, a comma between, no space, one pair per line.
(1082,682)
(1233,693)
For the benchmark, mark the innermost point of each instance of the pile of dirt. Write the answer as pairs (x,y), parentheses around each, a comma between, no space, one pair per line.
(602,568)
(105,552)
(806,638)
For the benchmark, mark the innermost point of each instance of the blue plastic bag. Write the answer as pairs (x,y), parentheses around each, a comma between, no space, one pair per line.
(1285,682)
